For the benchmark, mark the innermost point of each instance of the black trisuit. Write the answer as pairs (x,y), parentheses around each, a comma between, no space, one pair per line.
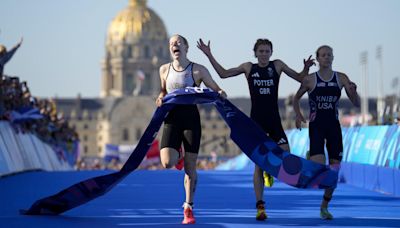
(324,122)
(263,86)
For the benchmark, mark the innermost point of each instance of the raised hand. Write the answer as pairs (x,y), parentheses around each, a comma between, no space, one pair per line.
(20,42)
(206,49)
(309,62)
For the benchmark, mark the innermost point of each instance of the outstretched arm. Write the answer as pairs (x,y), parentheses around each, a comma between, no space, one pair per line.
(351,89)
(203,75)
(304,87)
(9,54)
(222,72)
(281,66)
(19,43)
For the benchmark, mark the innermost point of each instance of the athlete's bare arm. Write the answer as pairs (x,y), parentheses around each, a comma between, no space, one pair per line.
(350,88)
(280,67)
(163,78)
(201,74)
(306,85)
(222,72)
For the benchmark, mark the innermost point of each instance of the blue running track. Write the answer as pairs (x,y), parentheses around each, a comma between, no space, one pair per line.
(223,199)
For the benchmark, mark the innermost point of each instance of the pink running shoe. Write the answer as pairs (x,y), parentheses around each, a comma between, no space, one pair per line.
(188,217)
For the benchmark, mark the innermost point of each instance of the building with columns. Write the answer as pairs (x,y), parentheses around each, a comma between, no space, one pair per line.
(136,46)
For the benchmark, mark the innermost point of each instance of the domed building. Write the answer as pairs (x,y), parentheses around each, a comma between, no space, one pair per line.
(136,46)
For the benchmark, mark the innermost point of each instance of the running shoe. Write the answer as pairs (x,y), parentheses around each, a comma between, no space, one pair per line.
(188,217)
(261,215)
(268,180)
(324,214)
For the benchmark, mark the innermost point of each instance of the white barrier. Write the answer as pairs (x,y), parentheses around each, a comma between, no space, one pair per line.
(24,151)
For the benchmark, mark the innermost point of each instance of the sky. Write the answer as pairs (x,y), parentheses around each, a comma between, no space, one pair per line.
(64,40)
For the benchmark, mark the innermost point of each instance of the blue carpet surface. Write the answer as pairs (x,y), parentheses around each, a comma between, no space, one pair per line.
(223,199)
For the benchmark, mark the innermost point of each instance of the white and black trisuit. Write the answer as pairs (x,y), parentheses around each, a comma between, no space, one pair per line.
(182,124)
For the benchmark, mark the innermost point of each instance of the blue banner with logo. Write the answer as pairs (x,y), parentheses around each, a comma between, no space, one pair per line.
(389,154)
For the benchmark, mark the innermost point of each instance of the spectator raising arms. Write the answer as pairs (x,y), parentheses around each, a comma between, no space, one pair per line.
(5,55)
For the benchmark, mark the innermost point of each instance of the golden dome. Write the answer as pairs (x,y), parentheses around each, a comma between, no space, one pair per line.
(136,21)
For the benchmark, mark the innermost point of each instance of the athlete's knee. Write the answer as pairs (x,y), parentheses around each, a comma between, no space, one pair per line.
(257,170)
(168,157)
(190,160)
(329,192)
(191,172)
(167,163)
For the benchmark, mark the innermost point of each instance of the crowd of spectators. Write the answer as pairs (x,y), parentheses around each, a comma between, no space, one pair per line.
(28,114)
